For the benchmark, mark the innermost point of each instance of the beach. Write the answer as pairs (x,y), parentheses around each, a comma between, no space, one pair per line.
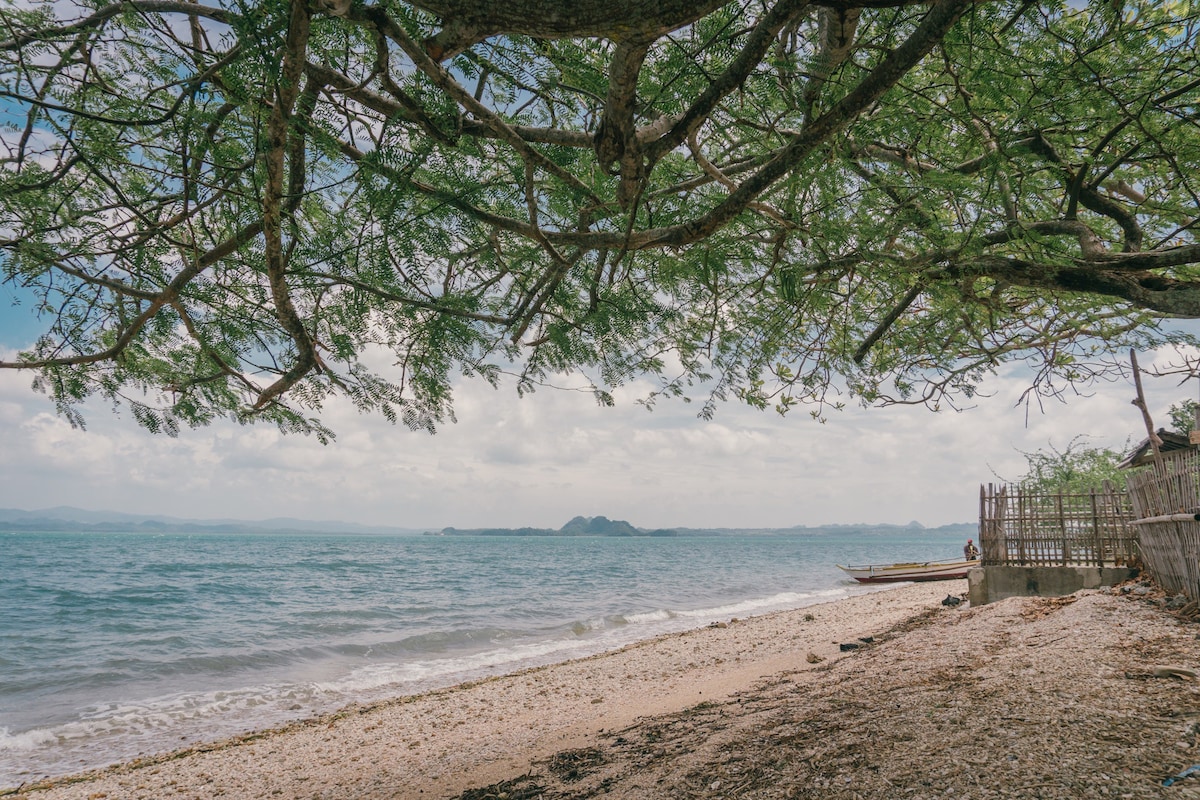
(888,694)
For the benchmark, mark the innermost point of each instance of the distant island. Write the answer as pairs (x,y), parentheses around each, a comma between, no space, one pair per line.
(579,526)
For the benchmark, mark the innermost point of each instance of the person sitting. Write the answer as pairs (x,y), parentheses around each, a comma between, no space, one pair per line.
(970,551)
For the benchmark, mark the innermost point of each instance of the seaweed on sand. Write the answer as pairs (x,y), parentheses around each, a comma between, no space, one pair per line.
(524,787)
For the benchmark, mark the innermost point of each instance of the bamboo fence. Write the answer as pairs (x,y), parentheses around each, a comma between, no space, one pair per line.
(1166,504)
(1019,526)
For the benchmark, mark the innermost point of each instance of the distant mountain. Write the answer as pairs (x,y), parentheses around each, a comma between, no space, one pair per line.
(69,518)
(599,526)
(73,514)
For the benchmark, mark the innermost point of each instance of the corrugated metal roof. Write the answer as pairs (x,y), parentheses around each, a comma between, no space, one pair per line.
(1143,454)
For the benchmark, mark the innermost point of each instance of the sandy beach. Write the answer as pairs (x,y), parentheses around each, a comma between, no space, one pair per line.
(889,694)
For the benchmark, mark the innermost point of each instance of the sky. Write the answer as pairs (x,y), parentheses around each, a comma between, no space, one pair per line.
(545,458)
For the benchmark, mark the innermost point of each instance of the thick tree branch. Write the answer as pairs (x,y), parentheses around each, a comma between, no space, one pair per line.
(1125,277)
(752,52)
(616,136)
(443,80)
(887,322)
(164,298)
(274,204)
(894,66)
(1087,196)
(467,22)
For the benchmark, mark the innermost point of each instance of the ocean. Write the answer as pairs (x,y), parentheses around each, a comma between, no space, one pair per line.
(116,645)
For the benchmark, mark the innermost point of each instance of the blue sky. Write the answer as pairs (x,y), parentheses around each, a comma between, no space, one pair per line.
(548,457)
(18,323)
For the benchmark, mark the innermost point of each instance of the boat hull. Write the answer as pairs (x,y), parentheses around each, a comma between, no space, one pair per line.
(915,571)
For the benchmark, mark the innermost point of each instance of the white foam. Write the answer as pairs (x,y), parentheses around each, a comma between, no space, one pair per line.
(595,624)
(24,741)
(420,675)
(661,615)
(775,602)
(114,731)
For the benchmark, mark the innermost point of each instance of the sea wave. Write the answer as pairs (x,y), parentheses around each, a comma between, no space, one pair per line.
(581,638)
(420,675)
(760,605)
(23,742)
(116,731)
(647,617)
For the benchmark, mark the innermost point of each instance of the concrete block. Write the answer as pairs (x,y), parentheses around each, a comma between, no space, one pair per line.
(989,584)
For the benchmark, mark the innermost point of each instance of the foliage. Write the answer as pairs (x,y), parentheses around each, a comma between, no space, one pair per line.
(238,210)
(1075,469)
(1183,416)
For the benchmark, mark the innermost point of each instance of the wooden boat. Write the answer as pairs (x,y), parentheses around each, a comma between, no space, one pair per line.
(913,571)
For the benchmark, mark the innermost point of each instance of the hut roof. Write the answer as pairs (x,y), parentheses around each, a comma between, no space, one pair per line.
(1144,454)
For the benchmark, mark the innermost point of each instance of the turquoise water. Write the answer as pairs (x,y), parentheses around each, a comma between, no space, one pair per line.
(114,645)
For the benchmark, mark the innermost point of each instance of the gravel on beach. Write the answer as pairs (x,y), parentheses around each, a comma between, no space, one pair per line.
(892,694)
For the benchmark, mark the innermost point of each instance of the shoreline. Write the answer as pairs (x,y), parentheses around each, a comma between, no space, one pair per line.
(1087,695)
(446,740)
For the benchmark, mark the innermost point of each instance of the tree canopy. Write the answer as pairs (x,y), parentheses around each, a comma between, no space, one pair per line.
(1078,468)
(1183,416)
(240,207)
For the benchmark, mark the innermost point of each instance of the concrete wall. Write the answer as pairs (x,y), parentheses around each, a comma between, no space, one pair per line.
(989,584)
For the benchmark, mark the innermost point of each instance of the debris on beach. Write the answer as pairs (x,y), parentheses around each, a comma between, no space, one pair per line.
(1147,590)
(1187,773)
(862,640)
(965,711)
(1173,671)
(525,787)
(575,765)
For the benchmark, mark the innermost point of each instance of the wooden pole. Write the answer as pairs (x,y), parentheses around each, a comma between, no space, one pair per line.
(1140,402)
(1065,552)
(1194,433)
(984,522)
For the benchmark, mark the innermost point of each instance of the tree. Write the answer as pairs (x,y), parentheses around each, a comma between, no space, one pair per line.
(1183,416)
(237,209)
(1074,470)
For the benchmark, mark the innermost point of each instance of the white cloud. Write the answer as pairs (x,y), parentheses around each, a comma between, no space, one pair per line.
(554,454)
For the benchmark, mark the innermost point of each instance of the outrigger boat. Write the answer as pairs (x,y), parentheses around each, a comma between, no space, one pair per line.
(914,571)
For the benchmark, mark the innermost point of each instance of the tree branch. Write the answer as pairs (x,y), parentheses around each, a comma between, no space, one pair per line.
(278,127)
(108,12)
